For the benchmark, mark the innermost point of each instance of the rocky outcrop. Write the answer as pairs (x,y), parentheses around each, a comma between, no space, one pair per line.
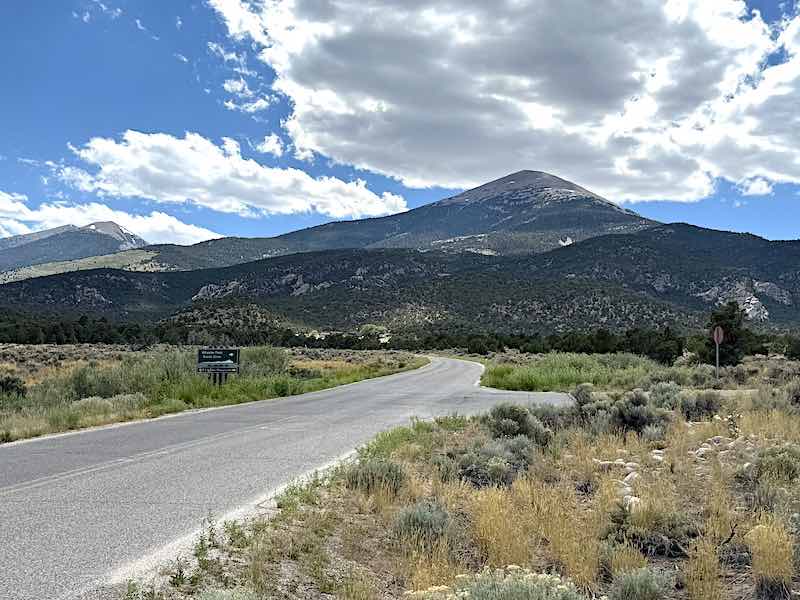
(745,293)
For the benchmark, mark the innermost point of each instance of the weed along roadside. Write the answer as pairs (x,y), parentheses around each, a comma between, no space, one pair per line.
(632,494)
(73,394)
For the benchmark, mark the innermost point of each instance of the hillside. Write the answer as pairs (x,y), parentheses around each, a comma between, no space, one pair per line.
(668,275)
(520,214)
(66,244)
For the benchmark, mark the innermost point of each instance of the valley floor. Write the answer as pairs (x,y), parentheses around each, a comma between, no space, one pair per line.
(668,492)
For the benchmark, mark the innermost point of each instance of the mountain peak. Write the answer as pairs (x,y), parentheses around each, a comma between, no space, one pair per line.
(128,239)
(532,184)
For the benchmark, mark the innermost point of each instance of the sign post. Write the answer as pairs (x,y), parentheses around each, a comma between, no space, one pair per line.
(719,337)
(218,363)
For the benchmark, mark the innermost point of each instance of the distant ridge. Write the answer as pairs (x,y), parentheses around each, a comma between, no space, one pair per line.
(524,213)
(66,243)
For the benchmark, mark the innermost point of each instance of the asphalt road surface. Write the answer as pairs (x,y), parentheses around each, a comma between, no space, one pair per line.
(80,510)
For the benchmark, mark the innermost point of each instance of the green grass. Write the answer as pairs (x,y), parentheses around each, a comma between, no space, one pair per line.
(563,371)
(153,384)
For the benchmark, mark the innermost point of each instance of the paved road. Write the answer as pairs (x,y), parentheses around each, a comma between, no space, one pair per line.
(76,509)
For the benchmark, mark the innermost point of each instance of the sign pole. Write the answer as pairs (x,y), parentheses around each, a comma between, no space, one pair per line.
(719,337)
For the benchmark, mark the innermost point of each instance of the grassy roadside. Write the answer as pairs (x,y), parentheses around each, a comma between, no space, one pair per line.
(151,384)
(627,497)
(560,371)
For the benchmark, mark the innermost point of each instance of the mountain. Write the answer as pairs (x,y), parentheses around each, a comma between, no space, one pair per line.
(665,275)
(27,238)
(523,213)
(65,244)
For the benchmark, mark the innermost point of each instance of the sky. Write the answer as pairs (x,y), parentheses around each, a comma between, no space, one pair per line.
(194,119)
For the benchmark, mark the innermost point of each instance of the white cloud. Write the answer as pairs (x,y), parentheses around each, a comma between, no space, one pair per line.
(237,86)
(181,58)
(655,104)
(193,169)
(16,217)
(272,144)
(755,187)
(247,107)
(178,23)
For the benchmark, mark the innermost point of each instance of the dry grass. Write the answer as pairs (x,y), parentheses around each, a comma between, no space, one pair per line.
(501,527)
(626,558)
(772,547)
(702,572)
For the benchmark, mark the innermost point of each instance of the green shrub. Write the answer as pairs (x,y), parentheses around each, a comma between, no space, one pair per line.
(665,395)
(633,413)
(372,475)
(425,522)
(555,417)
(493,462)
(701,406)
(792,393)
(511,420)
(583,394)
(779,465)
(11,385)
(654,433)
(640,584)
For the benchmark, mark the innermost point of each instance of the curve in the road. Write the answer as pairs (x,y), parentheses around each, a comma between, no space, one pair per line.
(75,508)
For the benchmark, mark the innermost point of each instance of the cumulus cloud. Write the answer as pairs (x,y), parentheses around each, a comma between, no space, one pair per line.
(17,217)
(638,101)
(193,169)
(271,144)
(755,187)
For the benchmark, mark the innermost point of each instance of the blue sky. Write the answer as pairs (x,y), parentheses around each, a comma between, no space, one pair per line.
(98,99)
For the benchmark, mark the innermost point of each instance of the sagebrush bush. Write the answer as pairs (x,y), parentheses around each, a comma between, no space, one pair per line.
(512,583)
(792,394)
(554,417)
(700,406)
(373,475)
(235,594)
(583,394)
(638,584)
(510,420)
(490,462)
(780,464)
(11,385)
(665,395)
(424,523)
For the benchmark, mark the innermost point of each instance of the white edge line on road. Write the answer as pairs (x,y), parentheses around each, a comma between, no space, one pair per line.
(184,413)
(149,565)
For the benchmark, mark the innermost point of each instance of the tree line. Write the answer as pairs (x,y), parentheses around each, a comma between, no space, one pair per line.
(663,345)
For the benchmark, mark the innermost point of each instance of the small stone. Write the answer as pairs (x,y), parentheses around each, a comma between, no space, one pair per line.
(632,466)
(702,451)
(631,477)
(658,457)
